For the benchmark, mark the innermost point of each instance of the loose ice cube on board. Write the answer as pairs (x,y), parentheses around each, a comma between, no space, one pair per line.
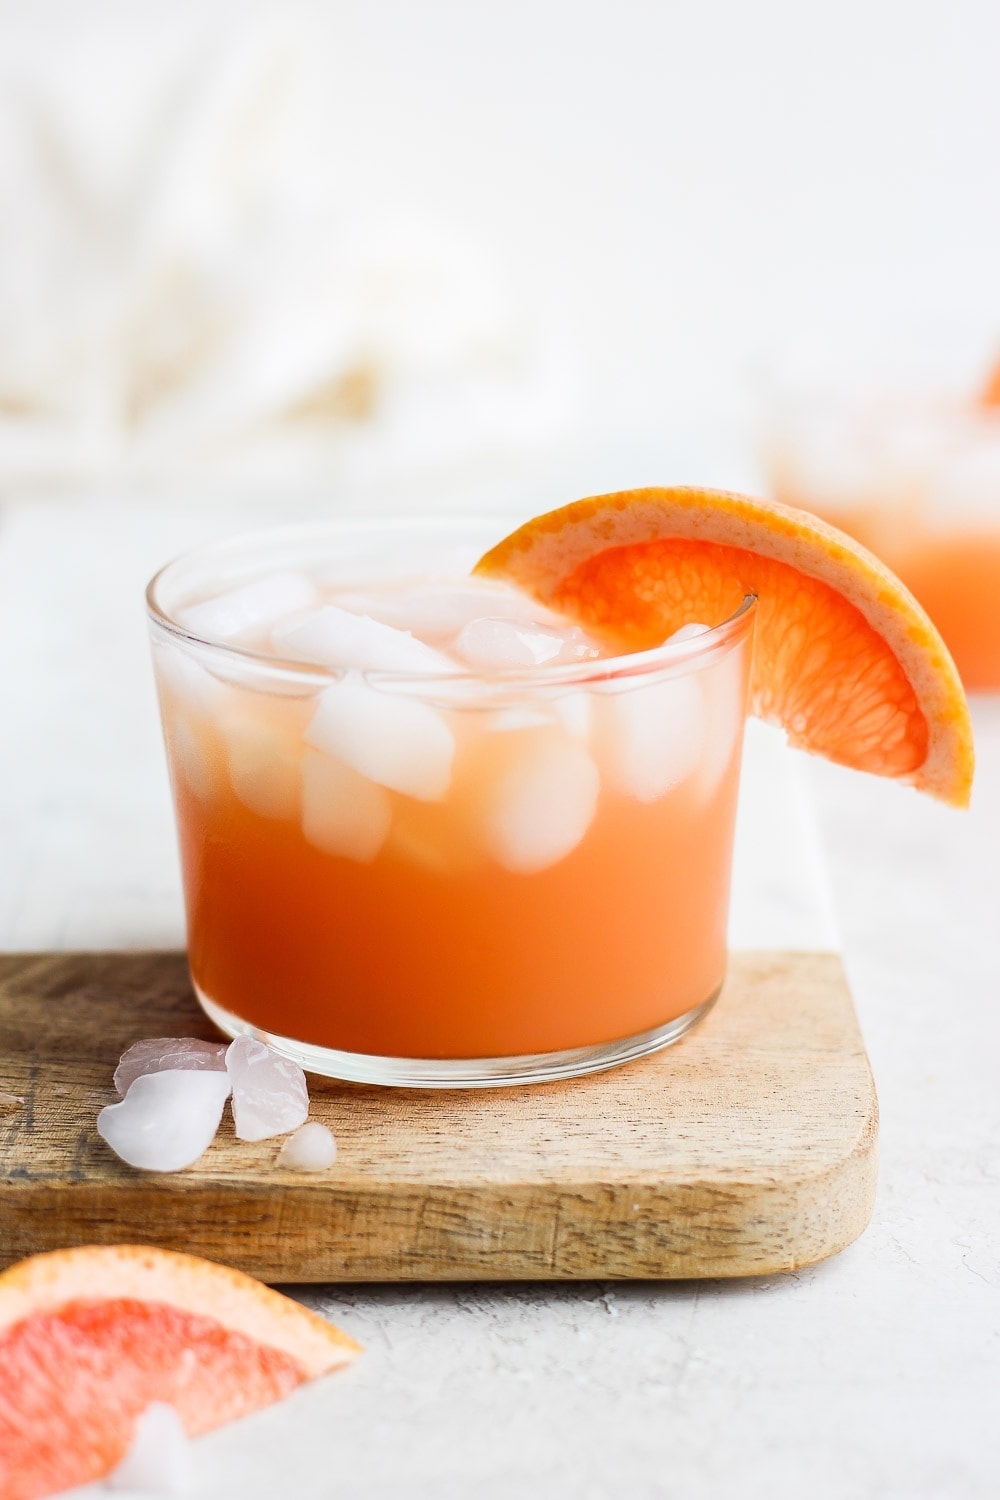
(334,637)
(252,607)
(540,800)
(158,1461)
(166,1120)
(311,1148)
(395,740)
(158,1054)
(505,645)
(342,811)
(651,736)
(269,1092)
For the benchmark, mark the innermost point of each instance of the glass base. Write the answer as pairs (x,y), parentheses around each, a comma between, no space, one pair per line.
(460,1073)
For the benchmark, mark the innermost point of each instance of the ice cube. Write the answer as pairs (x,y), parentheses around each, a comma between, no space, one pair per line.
(725,697)
(504,645)
(191,698)
(264,757)
(252,607)
(158,1054)
(311,1148)
(166,1120)
(194,753)
(158,1461)
(334,637)
(394,740)
(651,735)
(574,712)
(269,1092)
(343,812)
(438,610)
(539,801)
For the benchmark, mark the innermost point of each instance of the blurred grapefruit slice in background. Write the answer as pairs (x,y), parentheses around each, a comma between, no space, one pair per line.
(845,659)
(89,1338)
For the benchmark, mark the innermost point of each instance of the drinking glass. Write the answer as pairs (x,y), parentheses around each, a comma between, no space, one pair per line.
(454,879)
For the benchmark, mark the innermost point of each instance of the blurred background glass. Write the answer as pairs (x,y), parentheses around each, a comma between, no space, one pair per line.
(381,256)
(916,478)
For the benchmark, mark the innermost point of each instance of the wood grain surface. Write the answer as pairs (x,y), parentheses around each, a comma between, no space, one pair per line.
(747,1148)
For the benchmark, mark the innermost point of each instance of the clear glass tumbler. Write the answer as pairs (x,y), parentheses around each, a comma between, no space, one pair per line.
(530,877)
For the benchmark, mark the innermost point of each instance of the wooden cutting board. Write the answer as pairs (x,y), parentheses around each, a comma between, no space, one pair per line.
(747,1148)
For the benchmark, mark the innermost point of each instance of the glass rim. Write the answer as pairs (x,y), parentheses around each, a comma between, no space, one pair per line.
(669,654)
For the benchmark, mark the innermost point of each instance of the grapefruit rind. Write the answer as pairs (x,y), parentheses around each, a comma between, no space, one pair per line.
(548,550)
(46,1283)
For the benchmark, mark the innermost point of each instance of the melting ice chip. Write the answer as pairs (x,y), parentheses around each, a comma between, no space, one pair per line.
(343,812)
(251,607)
(541,802)
(167,1119)
(334,637)
(158,1461)
(507,644)
(269,1092)
(311,1148)
(392,739)
(157,1054)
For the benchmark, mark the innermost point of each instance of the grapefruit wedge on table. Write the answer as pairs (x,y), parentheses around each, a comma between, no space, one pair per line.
(845,660)
(90,1337)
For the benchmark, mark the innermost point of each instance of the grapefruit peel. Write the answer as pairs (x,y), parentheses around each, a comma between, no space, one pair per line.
(846,661)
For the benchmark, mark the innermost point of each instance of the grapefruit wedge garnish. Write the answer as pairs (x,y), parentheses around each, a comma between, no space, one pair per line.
(90,1337)
(845,659)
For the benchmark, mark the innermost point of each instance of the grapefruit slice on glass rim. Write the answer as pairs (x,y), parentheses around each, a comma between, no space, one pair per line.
(89,1338)
(845,660)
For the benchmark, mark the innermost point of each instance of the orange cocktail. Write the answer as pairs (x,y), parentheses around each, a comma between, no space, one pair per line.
(431,832)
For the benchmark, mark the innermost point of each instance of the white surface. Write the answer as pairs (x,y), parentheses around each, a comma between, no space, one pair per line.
(874,1375)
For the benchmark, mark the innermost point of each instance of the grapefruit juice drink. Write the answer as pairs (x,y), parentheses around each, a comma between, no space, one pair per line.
(430,832)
